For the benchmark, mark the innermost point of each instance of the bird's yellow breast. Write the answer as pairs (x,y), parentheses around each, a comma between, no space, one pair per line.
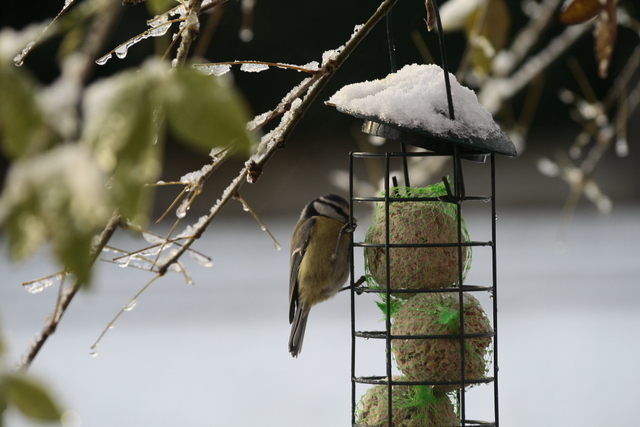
(320,275)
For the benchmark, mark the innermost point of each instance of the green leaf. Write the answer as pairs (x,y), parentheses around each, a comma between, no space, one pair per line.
(31,398)
(122,126)
(205,111)
(58,196)
(23,131)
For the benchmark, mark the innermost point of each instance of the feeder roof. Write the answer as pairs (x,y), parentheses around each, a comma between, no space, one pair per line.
(414,100)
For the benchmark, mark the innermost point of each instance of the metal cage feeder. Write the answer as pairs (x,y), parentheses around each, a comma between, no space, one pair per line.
(394,382)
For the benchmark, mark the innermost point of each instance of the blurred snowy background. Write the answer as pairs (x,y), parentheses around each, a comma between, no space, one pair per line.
(215,353)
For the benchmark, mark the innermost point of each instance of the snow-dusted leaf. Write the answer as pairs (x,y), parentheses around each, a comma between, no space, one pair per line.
(205,111)
(57,196)
(122,129)
(23,130)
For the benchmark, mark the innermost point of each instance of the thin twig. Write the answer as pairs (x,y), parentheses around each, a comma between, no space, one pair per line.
(67,297)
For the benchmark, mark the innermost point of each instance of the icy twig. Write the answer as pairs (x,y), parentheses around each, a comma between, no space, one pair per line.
(309,70)
(19,59)
(192,29)
(193,183)
(127,307)
(121,50)
(66,297)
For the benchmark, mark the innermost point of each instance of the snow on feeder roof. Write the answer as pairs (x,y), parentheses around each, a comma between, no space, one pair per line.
(411,105)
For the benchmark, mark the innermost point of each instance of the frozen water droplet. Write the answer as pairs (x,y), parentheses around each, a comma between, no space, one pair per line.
(131,305)
(123,262)
(160,30)
(93,352)
(121,51)
(263,228)
(203,260)
(103,60)
(277,246)
(19,59)
(181,212)
(245,208)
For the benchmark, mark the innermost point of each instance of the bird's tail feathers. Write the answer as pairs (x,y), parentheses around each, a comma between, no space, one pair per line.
(298,327)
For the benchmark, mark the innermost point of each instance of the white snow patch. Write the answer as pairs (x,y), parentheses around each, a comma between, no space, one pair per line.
(415,97)
(253,67)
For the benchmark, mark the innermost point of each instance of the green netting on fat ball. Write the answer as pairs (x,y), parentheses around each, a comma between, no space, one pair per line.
(415,222)
(440,359)
(412,406)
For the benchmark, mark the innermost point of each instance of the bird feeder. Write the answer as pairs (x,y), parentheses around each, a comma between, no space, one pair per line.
(438,348)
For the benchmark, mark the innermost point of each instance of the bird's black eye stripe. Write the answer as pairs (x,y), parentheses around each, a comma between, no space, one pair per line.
(336,203)
(310,210)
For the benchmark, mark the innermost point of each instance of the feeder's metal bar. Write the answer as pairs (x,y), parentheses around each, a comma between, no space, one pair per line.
(377,380)
(476,423)
(445,63)
(352,299)
(465,288)
(458,186)
(394,154)
(494,267)
(390,42)
(419,199)
(389,367)
(420,245)
(382,334)
(405,166)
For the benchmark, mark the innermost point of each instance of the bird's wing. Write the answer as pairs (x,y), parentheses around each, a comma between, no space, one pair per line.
(296,258)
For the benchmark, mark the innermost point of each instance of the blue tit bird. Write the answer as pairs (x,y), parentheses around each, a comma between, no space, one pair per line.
(319,263)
